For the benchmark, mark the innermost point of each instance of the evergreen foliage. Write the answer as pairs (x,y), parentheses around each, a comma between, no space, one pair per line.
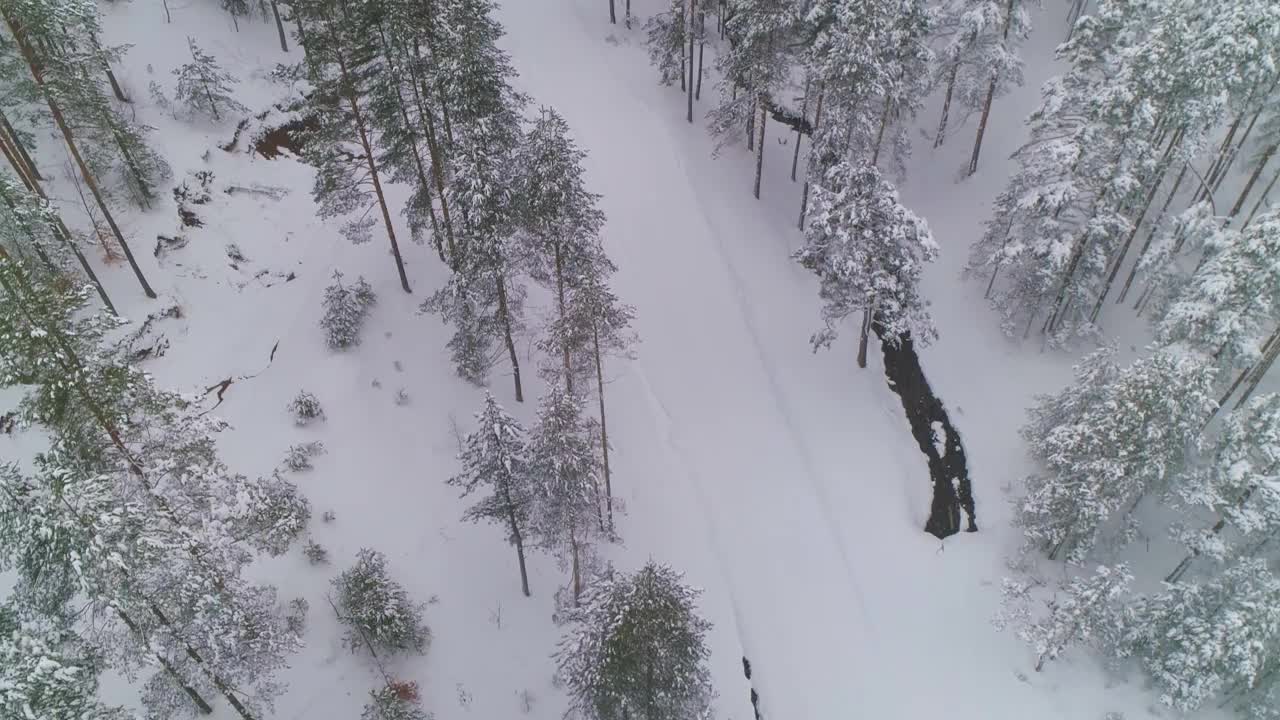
(203,86)
(345,310)
(377,610)
(667,37)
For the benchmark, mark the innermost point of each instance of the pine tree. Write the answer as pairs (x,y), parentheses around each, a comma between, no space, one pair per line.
(494,455)
(560,218)
(1202,640)
(469,305)
(667,34)
(637,648)
(203,86)
(397,700)
(564,469)
(1108,440)
(345,311)
(342,147)
(377,610)
(868,252)
(1088,611)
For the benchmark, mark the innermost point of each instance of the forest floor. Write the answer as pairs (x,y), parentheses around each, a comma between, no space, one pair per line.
(784,483)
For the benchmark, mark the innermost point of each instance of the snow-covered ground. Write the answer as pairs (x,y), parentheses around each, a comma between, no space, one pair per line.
(784,483)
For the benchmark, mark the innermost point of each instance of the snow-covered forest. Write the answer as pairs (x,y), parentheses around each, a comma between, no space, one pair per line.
(639,359)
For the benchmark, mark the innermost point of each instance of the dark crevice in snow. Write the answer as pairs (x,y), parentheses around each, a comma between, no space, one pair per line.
(934,433)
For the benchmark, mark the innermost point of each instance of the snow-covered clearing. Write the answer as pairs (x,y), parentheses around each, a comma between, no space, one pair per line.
(785,483)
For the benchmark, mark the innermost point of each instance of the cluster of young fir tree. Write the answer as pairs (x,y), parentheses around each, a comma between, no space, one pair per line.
(1162,104)
(129,514)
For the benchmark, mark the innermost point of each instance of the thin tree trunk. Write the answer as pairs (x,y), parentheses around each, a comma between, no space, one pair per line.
(692,8)
(167,17)
(751,124)
(16,142)
(764,116)
(20,168)
(946,106)
(413,143)
(437,162)
(804,195)
(111,79)
(604,430)
(1259,372)
(804,114)
(284,42)
(862,338)
(1077,9)
(627,15)
(1235,151)
(982,127)
(213,106)
(560,303)
(518,539)
(1158,176)
(181,682)
(504,316)
(1253,179)
(884,123)
(613,20)
(702,46)
(577,573)
(367,147)
(61,122)
(1262,199)
(1151,234)
(1204,190)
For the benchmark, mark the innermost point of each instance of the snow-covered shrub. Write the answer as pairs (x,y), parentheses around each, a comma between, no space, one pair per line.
(315,552)
(345,310)
(299,456)
(397,700)
(273,514)
(203,86)
(376,609)
(295,618)
(329,516)
(306,408)
(1085,611)
(402,397)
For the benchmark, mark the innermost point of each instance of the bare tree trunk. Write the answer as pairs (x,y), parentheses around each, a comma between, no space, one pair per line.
(167,17)
(1259,372)
(862,338)
(106,67)
(560,303)
(702,46)
(354,103)
(1077,9)
(1151,234)
(16,142)
(420,91)
(38,75)
(884,123)
(692,5)
(804,195)
(804,115)
(1253,179)
(284,42)
(518,539)
(982,127)
(577,573)
(180,681)
(613,20)
(604,430)
(627,15)
(764,116)
(504,316)
(946,106)
(1205,187)
(1262,199)
(413,143)
(751,125)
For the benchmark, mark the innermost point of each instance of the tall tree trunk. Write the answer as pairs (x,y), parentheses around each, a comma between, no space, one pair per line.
(1266,350)
(413,142)
(1262,199)
(106,67)
(560,304)
(1253,179)
(982,127)
(517,539)
(20,168)
(702,46)
(213,105)
(421,91)
(884,123)
(946,106)
(862,338)
(354,103)
(18,147)
(1151,234)
(692,41)
(1077,9)
(764,116)
(284,42)
(804,115)
(813,137)
(1158,177)
(751,124)
(38,75)
(1223,149)
(504,317)
(627,15)
(613,20)
(172,672)
(577,572)
(604,430)
(1259,372)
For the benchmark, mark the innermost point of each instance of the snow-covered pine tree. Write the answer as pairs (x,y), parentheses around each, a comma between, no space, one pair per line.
(560,221)
(667,34)
(76,103)
(868,252)
(636,648)
(598,325)
(564,468)
(345,310)
(494,455)
(1216,639)
(1107,441)
(342,146)
(754,70)
(1237,485)
(46,670)
(203,86)
(396,700)
(377,610)
(1088,611)
(467,303)
(1231,303)
(979,61)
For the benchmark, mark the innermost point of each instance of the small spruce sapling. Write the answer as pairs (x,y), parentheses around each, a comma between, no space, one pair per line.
(299,456)
(203,86)
(316,553)
(397,700)
(377,610)
(306,409)
(295,617)
(345,310)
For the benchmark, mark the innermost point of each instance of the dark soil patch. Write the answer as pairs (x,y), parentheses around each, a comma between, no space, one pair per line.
(949,472)
(288,136)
